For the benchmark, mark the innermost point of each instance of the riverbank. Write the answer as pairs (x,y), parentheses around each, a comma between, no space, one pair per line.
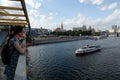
(48,40)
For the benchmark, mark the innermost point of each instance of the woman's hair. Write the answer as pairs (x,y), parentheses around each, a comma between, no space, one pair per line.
(13,31)
(17,29)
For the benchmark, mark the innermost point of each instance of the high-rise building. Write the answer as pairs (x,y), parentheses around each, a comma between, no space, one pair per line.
(84,28)
(114,27)
(90,28)
(60,29)
(77,28)
(62,26)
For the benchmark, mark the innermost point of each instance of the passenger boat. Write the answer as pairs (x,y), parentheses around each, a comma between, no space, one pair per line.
(88,49)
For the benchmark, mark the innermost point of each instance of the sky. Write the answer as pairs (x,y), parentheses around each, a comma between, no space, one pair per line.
(101,14)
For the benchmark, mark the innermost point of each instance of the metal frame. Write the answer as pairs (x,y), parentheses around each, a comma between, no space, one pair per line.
(7,18)
(10,19)
(5,13)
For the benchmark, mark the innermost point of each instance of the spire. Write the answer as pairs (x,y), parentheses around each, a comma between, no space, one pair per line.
(61,25)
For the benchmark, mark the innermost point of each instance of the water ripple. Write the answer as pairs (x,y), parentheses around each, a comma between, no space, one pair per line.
(58,61)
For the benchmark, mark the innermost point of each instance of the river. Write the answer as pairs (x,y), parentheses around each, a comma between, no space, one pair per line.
(58,61)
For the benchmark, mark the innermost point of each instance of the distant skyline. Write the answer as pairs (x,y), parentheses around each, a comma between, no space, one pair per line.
(101,14)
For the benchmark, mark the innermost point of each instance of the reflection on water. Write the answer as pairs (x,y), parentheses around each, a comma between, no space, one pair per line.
(59,62)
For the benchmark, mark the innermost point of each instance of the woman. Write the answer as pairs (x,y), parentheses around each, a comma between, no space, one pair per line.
(17,48)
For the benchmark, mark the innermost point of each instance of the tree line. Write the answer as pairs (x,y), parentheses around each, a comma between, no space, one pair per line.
(76,33)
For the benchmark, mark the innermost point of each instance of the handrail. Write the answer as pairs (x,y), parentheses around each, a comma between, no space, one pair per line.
(20,73)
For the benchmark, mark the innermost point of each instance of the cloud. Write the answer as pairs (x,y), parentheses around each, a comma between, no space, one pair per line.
(114,17)
(50,13)
(38,20)
(83,1)
(97,2)
(113,5)
(78,21)
(34,4)
(33,13)
(109,7)
(100,23)
(44,19)
(94,2)
(56,13)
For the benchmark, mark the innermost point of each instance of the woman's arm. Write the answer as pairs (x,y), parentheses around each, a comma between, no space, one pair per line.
(19,48)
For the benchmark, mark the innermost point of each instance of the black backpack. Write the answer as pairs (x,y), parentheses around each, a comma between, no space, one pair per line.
(6,55)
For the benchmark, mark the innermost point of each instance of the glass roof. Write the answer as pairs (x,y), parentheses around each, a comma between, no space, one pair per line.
(13,12)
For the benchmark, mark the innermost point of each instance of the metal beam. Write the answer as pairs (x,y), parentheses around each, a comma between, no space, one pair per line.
(12,19)
(4,14)
(26,14)
(3,11)
(10,8)
(13,23)
(14,0)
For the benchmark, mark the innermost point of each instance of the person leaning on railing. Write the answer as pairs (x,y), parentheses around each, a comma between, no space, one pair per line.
(16,46)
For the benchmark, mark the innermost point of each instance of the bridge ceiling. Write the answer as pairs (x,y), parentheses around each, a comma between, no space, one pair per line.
(14,14)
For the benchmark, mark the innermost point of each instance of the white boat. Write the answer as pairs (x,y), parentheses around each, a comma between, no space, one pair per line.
(88,49)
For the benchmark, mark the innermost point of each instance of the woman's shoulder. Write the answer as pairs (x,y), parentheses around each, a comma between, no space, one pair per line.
(12,40)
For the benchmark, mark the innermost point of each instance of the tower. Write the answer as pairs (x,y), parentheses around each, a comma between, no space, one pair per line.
(61,26)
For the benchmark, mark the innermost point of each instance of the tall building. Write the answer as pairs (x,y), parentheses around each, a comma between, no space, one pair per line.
(84,28)
(96,30)
(118,30)
(90,28)
(62,26)
(111,31)
(114,27)
(77,28)
(60,29)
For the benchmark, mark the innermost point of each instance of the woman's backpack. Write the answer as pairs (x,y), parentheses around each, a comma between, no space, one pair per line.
(6,55)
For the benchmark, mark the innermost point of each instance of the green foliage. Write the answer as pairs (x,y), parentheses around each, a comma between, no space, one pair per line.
(96,34)
(73,33)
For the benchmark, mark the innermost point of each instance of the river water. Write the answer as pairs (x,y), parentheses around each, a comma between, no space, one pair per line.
(58,61)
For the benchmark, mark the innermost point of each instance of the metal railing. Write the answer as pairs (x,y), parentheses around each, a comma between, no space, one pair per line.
(20,73)
(22,65)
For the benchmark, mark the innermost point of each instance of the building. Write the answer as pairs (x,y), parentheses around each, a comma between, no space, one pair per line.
(62,26)
(77,28)
(118,30)
(96,30)
(60,29)
(83,28)
(114,27)
(39,32)
(90,28)
(111,31)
